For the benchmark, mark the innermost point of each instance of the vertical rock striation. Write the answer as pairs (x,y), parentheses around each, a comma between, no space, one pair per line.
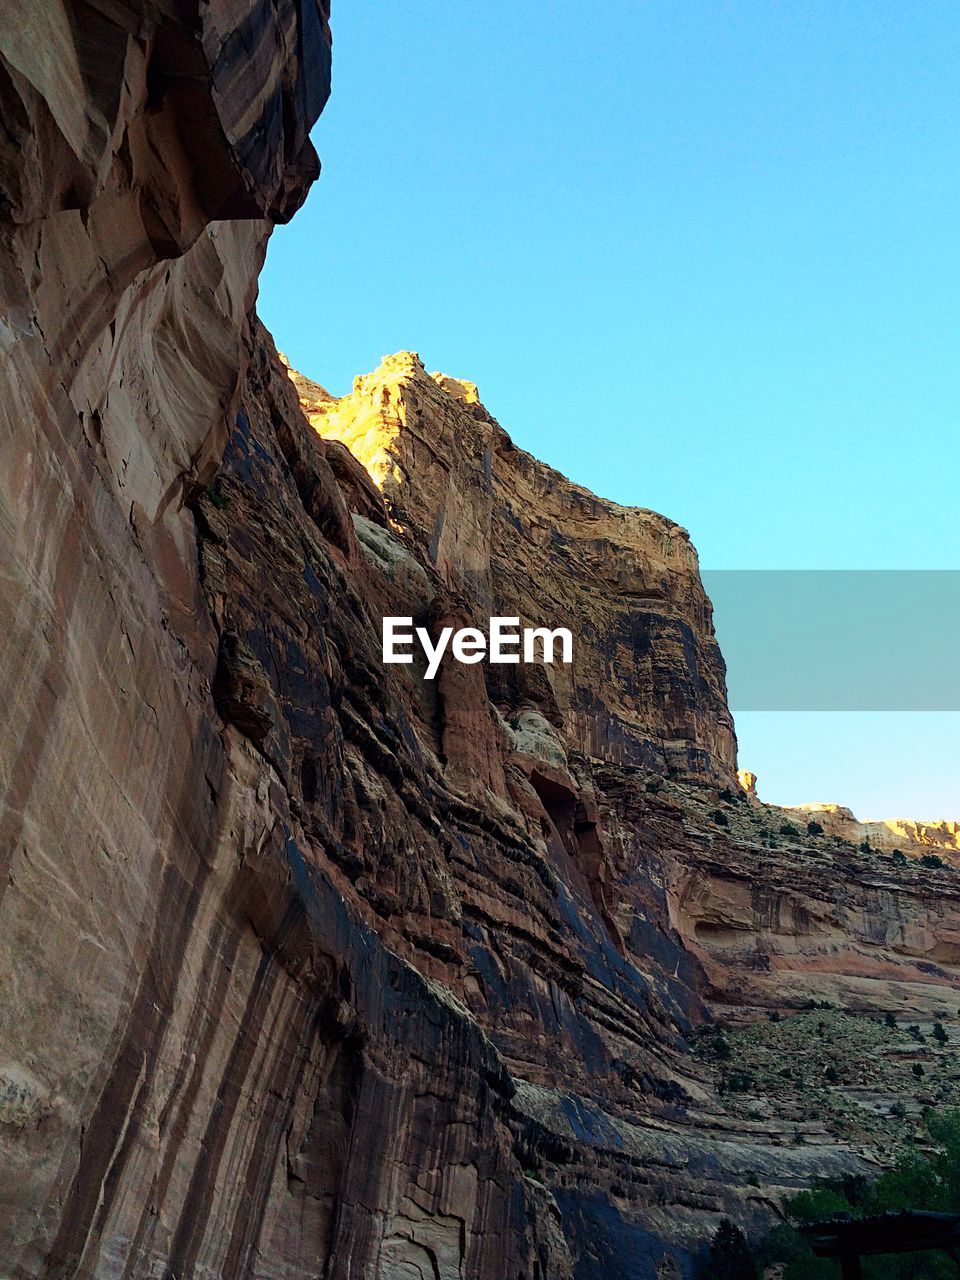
(310,967)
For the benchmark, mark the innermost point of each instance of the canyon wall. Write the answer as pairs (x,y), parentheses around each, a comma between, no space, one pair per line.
(776,911)
(517,538)
(310,967)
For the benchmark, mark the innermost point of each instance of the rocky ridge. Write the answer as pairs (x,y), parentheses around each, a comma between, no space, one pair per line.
(778,905)
(909,836)
(512,535)
(309,968)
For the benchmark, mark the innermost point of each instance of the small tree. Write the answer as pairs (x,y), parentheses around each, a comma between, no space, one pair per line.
(899,857)
(890,1020)
(928,1181)
(932,861)
(815,829)
(729,1257)
(940,1033)
(720,818)
(918,1070)
(788,829)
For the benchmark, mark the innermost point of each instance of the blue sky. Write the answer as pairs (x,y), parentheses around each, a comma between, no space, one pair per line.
(702,257)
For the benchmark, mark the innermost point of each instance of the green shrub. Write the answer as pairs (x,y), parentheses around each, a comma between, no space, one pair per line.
(715,1044)
(820,1202)
(217,497)
(739,1081)
(814,828)
(916,1181)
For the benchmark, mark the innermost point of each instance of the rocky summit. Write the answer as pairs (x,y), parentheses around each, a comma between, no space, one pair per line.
(312,967)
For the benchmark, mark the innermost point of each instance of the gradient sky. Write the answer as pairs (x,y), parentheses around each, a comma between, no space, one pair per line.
(701,257)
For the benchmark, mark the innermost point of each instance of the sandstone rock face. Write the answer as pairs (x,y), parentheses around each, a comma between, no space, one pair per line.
(525,879)
(518,539)
(780,917)
(912,838)
(748,783)
(310,967)
(776,915)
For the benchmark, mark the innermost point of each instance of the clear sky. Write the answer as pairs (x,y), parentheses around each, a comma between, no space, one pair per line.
(701,256)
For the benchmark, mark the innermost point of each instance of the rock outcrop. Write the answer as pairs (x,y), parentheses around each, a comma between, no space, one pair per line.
(780,915)
(311,967)
(777,911)
(912,838)
(517,538)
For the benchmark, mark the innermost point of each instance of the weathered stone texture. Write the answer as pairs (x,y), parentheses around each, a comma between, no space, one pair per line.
(310,967)
(519,539)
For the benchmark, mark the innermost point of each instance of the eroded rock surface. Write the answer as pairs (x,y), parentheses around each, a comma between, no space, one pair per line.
(518,538)
(311,967)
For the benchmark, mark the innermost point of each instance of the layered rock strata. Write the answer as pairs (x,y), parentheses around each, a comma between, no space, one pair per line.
(910,837)
(311,967)
(515,537)
(776,910)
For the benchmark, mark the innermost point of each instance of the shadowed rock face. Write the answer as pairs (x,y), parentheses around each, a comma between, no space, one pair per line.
(310,967)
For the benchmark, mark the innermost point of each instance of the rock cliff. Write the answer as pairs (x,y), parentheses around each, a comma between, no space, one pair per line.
(910,837)
(311,967)
(516,538)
